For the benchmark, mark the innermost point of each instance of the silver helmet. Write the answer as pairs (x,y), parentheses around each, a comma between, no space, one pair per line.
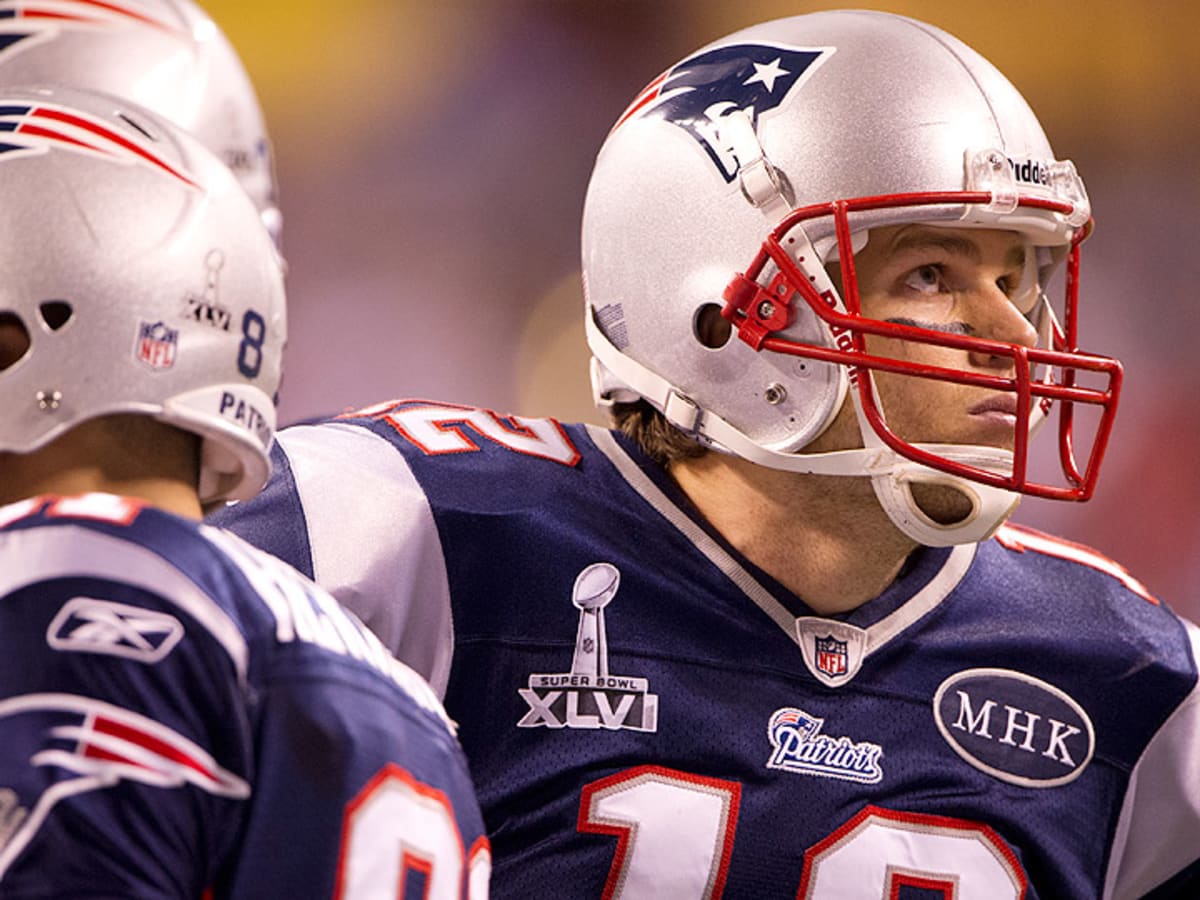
(739,176)
(165,55)
(143,280)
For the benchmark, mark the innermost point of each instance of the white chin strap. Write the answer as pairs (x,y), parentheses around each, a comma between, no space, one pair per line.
(617,378)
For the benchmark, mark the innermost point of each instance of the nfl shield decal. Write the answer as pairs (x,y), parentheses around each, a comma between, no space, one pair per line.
(589,696)
(156,345)
(833,651)
(831,655)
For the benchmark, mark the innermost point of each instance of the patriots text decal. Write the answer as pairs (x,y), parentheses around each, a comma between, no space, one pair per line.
(26,129)
(25,23)
(752,78)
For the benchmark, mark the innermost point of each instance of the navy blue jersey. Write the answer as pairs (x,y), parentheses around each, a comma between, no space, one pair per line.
(182,714)
(646,714)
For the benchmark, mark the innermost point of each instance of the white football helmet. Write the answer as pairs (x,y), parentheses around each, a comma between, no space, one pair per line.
(143,279)
(740,173)
(165,55)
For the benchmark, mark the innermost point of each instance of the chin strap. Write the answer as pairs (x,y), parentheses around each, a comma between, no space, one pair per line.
(617,378)
(893,483)
(894,476)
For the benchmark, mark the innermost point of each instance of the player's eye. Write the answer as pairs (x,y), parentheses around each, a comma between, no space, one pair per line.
(927,279)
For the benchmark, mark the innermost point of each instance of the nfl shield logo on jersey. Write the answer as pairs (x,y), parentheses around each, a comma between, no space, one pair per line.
(831,655)
(589,696)
(833,651)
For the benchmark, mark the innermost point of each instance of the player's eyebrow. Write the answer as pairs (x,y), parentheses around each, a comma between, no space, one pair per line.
(956,244)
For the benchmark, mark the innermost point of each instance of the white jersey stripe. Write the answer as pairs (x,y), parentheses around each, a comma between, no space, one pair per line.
(395,582)
(70,550)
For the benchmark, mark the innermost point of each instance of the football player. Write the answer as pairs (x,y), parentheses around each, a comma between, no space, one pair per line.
(183,716)
(168,56)
(771,637)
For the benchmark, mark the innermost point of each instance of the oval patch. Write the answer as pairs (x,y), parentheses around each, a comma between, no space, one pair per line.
(1015,727)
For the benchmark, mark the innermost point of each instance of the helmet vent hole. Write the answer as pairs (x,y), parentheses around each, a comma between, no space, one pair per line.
(712,329)
(14,340)
(56,313)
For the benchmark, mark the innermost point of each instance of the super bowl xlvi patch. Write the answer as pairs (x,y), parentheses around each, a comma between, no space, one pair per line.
(205,307)
(589,696)
(1014,727)
(833,651)
(156,345)
(800,747)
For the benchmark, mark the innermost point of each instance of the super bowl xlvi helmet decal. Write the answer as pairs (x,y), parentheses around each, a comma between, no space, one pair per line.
(165,55)
(143,278)
(741,176)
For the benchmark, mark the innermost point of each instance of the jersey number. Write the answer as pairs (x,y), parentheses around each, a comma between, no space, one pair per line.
(675,834)
(440,429)
(398,828)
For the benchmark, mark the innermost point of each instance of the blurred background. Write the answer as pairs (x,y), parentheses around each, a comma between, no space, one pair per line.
(433,158)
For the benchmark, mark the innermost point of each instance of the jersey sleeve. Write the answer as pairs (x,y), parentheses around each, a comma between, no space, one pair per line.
(1157,841)
(344,508)
(360,781)
(127,752)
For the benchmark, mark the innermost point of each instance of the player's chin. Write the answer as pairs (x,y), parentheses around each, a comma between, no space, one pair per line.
(991,429)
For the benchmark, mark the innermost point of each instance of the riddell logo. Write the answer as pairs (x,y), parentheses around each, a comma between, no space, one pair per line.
(1031,171)
(841,337)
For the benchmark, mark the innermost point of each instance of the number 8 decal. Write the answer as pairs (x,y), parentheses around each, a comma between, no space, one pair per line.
(675,835)
(397,826)
(254,334)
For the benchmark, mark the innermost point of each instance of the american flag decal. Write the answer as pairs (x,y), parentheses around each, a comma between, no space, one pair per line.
(27,129)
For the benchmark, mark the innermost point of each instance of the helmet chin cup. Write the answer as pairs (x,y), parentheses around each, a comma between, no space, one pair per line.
(990,506)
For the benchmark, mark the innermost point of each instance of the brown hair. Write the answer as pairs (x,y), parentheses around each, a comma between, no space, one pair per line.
(655,436)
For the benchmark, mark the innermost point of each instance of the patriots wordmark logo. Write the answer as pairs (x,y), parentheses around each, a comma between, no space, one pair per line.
(27,129)
(752,78)
(26,23)
(800,747)
(588,696)
(88,745)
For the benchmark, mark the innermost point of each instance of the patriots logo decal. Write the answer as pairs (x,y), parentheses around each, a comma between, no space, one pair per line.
(24,23)
(753,78)
(26,129)
(77,745)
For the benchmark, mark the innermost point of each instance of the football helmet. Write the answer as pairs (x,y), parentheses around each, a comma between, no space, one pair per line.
(165,55)
(143,278)
(742,175)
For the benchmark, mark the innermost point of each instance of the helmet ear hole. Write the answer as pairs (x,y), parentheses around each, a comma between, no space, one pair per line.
(14,340)
(711,328)
(56,313)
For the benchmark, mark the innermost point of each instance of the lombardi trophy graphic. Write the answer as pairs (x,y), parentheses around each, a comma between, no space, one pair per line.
(590,696)
(594,588)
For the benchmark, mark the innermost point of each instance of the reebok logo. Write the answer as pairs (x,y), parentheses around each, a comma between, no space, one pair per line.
(88,625)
